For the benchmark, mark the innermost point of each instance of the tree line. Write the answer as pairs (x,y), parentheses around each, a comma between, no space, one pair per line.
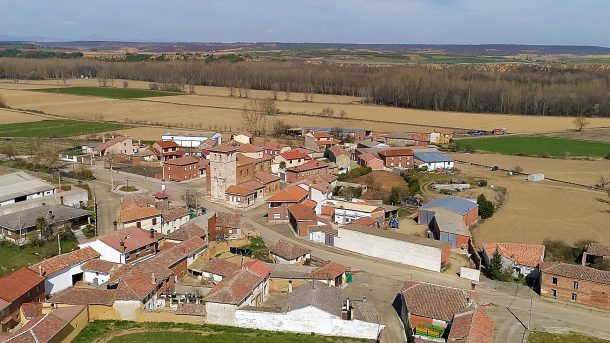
(510,89)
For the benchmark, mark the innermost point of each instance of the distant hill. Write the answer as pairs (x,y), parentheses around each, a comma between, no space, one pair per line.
(451,49)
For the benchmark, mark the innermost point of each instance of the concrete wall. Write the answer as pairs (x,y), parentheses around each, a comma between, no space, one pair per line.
(171,226)
(411,254)
(90,275)
(307,320)
(61,280)
(127,309)
(223,314)
(107,253)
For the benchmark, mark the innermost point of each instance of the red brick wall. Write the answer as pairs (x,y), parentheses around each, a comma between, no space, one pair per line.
(180,269)
(472,217)
(180,173)
(293,176)
(462,241)
(212,230)
(588,293)
(302,228)
(282,210)
(402,160)
(445,254)
(246,173)
(375,164)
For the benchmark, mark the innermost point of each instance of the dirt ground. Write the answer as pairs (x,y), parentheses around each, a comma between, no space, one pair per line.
(212,107)
(10,117)
(382,180)
(579,171)
(533,212)
(597,135)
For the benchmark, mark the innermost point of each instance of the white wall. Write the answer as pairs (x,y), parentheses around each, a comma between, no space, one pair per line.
(343,216)
(439,165)
(101,277)
(207,276)
(307,320)
(411,254)
(127,308)
(145,224)
(281,260)
(220,313)
(61,280)
(107,253)
(171,226)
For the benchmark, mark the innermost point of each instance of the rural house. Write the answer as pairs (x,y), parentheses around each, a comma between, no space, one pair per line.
(301,217)
(278,203)
(225,226)
(242,137)
(65,270)
(145,218)
(118,145)
(399,139)
(520,259)
(291,158)
(305,171)
(288,253)
(213,270)
(397,158)
(433,160)
(184,168)
(166,150)
(269,181)
(341,158)
(173,218)
(318,141)
(344,212)
(187,231)
(124,246)
(17,288)
(441,136)
(274,148)
(97,272)
(315,308)
(575,283)
(370,161)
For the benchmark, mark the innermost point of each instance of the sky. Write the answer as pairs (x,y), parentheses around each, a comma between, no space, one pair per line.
(560,22)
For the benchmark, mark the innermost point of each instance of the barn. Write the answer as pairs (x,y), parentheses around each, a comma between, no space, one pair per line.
(449,227)
(466,208)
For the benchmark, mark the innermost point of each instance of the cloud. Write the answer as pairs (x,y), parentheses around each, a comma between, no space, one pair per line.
(69,22)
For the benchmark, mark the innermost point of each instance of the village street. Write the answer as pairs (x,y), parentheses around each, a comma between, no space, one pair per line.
(380,280)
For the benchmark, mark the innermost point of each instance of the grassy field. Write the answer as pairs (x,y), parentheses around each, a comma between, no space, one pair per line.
(123,332)
(108,92)
(13,257)
(544,337)
(535,146)
(56,128)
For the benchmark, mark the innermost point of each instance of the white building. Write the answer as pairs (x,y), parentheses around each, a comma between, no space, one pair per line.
(75,197)
(316,308)
(318,192)
(145,218)
(21,186)
(97,272)
(192,140)
(433,160)
(63,271)
(347,212)
(124,246)
(406,249)
(242,137)
(173,219)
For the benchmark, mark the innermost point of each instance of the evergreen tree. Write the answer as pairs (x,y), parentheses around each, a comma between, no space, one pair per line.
(496,270)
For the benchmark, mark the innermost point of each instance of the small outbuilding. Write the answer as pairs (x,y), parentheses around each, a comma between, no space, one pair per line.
(535,177)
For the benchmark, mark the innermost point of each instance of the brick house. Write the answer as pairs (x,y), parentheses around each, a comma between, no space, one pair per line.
(270,181)
(166,150)
(183,168)
(575,283)
(397,158)
(118,145)
(370,161)
(225,226)
(278,203)
(306,170)
(274,148)
(300,218)
(17,288)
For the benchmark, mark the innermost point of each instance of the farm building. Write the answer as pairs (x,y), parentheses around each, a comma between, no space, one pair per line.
(399,139)
(323,234)
(574,283)
(289,253)
(397,158)
(440,136)
(467,209)
(406,249)
(535,177)
(21,186)
(595,253)
(119,145)
(347,212)
(192,140)
(521,259)
(433,160)
(63,271)
(315,309)
(242,137)
(448,226)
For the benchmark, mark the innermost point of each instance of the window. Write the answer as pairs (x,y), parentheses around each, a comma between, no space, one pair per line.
(575,284)
(574,296)
(554,293)
(276,216)
(554,280)
(154,221)
(139,225)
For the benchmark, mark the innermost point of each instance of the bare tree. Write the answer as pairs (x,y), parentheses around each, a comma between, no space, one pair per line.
(267,106)
(253,117)
(580,123)
(287,95)
(2,101)
(280,128)
(9,150)
(231,91)
(125,84)
(517,170)
(603,182)
(327,112)
(343,114)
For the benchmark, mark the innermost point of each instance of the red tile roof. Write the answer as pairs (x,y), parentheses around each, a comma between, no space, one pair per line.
(274,146)
(107,144)
(31,310)
(288,251)
(301,212)
(100,266)
(181,161)
(337,151)
(44,328)
(228,219)
(396,152)
(292,194)
(219,267)
(252,185)
(137,213)
(267,178)
(598,249)
(59,262)
(328,270)
(234,288)
(249,148)
(434,301)
(167,144)
(179,252)
(187,231)
(367,157)
(522,254)
(160,195)
(132,237)
(18,283)
(321,134)
(310,204)
(175,213)
(294,155)
(84,296)
(222,148)
(309,165)
(576,272)
(474,326)
(239,190)
(258,267)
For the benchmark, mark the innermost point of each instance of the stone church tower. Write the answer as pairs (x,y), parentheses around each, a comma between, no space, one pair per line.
(223,170)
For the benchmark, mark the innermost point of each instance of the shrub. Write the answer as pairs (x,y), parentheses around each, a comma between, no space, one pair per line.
(482,183)
(354,173)
(560,251)
(2,102)
(486,207)
(608,156)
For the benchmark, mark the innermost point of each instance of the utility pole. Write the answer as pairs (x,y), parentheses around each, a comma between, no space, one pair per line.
(59,243)
(95,204)
(111,179)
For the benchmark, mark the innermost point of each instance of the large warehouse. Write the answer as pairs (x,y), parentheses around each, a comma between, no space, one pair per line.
(406,249)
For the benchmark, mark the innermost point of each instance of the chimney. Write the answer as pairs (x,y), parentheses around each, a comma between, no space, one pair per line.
(153,278)
(40,271)
(346,310)
(114,223)
(152,233)
(104,139)
(473,285)
(289,286)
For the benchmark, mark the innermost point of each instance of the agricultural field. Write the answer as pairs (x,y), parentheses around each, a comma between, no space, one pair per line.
(578,171)
(533,212)
(10,117)
(107,92)
(545,337)
(212,107)
(161,332)
(535,146)
(596,135)
(56,128)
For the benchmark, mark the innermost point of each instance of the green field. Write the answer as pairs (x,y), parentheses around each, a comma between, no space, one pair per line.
(534,146)
(13,257)
(108,92)
(56,128)
(119,332)
(544,337)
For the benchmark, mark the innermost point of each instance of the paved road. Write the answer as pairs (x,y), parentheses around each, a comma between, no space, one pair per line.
(380,280)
